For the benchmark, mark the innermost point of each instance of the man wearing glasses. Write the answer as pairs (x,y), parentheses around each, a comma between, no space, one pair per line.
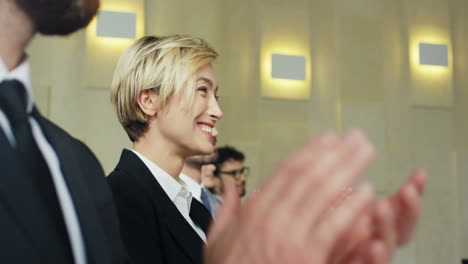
(230,168)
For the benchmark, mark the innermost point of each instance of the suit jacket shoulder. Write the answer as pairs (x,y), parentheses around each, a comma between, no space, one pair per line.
(91,197)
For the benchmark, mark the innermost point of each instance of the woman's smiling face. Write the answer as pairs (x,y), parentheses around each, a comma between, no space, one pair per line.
(191,130)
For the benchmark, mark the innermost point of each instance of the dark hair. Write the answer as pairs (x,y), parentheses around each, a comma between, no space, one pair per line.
(59,17)
(226,153)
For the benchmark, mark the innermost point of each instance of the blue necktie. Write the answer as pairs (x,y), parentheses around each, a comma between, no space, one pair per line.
(205,200)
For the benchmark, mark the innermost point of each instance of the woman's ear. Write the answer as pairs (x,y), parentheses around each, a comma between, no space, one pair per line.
(147,101)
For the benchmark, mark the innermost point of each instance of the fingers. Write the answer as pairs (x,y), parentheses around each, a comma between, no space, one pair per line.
(337,167)
(419,179)
(283,181)
(407,205)
(339,200)
(355,240)
(386,232)
(294,199)
(327,233)
(284,176)
(377,253)
(409,213)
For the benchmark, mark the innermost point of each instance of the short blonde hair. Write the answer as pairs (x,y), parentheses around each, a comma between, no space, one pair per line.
(164,64)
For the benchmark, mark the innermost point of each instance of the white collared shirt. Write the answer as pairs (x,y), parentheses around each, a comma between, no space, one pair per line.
(194,187)
(22,74)
(178,192)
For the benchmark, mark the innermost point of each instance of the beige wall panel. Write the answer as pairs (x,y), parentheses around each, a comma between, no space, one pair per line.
(197,18)
(362,52)
(285,4)
(41,50)
(361,49)
(103,133)
(459,9)
(42,95)
(66,105)
(325,104)
(431,146)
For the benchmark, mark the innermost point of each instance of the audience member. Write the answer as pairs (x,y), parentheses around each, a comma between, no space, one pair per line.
(55,206)
(210,180)
(195,169)
(230,168)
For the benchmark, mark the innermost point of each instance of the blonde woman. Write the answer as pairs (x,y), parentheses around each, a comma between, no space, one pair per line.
(165,95)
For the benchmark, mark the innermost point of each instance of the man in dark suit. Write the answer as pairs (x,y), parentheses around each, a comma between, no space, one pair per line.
(55,206)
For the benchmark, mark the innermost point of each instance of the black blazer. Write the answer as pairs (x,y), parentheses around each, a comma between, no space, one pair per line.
(153,229)
(26,230)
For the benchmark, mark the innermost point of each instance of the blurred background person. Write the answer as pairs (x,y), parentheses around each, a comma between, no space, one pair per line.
(230,168)
(210,180)
(197,171)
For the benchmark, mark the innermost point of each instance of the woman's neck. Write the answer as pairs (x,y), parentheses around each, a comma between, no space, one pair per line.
(161,154)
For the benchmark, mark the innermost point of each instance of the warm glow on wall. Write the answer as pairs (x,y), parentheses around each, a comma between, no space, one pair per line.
(102,53)
(431,39)
(117,44)
(431,84)
(284,88)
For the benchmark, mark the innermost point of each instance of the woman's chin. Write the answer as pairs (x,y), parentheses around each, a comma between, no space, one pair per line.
(204,150)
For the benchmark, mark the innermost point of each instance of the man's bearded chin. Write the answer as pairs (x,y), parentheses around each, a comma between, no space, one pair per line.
(59,17)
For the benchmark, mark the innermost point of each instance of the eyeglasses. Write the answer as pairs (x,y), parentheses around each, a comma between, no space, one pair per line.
(237,173)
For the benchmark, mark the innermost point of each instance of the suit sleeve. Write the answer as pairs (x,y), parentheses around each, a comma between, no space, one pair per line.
(102,195)
(138,223)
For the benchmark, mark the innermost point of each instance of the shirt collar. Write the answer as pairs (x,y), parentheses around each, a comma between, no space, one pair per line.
(194,187)
(170,185)
(22,74)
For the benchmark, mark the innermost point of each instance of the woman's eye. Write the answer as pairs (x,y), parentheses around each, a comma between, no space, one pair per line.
(202,89)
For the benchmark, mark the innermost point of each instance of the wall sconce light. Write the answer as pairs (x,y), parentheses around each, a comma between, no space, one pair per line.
(116,24)
(433,54)
(288,67)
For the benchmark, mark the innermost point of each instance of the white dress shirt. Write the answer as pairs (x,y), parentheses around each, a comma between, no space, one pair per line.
(22,74)
(178,192)
(194,187)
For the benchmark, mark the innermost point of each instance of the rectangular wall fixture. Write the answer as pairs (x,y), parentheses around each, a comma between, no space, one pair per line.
(116,24)
(433,54)
(288,67)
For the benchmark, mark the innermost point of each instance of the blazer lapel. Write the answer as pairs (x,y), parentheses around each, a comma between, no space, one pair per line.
(183,233)
(86,210)
(21,198)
